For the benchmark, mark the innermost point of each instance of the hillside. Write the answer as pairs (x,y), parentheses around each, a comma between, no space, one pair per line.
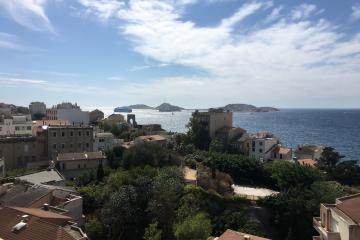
(15,109)
(167,107)
(238,107)
(139,106)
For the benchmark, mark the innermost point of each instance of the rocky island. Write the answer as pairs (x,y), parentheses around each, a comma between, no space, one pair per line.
(238,107)
(139,106)
(167,107)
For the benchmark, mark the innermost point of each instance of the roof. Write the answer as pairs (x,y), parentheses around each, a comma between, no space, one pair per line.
(104,134)
(79,156)
(309,148)
(307,162)
(37,212)
(36,227)
(189,174)
(282,150)
(43,177)
(22,195)
(39,123)
(233,235)
(351,207)
(152,138)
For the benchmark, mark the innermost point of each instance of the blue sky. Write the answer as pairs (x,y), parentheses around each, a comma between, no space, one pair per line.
(193,53)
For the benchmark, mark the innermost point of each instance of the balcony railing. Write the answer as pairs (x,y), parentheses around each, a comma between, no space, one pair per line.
(325,233)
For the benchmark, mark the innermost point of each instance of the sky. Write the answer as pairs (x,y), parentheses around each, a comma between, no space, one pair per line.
(192,53)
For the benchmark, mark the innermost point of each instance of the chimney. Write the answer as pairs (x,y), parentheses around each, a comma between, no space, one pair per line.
(25,218)
(46,207)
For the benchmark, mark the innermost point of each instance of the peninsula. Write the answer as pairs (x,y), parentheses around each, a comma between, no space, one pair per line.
(238,107)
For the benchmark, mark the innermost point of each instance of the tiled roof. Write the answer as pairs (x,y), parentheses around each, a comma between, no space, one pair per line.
(79,156)
(151,138)
(282,150)
(351,207)
(43,177)
(307,162)
(233,235)
(35,228)
(42,213)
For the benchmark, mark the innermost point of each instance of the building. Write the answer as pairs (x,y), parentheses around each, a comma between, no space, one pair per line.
(233,235)
(67,139)
(70,112)
(153,139)
(48,176)
(38,126)
(105,141)
(282,153)
(339,221)
(28,223)
(23,152)
(96,116)
(307,162)
(15,125)
(214,120)
(72,165)
(309,151)
(262,146)
(37,109)
(54,198)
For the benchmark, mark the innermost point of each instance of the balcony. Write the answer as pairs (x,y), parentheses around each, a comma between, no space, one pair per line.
(324,233)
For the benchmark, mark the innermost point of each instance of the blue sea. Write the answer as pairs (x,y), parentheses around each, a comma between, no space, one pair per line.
(339,128)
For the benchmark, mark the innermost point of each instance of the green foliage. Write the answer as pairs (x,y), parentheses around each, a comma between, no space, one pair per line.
(147,154)
(95,229)
(241,168)
(216,146)
(289,175)
(329,159)
(114,157)
(347,172)
(93,197)
(100,173)
(198,134)
(152,232)
(197,227)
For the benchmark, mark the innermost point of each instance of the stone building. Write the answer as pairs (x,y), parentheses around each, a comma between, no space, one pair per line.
(70,112)
(37,108)
(15,125)
(67,139)
(23,152)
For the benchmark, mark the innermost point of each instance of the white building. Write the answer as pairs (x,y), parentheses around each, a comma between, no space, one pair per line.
(262,146)
(69,112)
(15,125)
(37,108)
(105,141)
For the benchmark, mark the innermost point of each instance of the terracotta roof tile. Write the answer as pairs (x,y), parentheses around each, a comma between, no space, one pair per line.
(351,207)
(307,162)
(233,235)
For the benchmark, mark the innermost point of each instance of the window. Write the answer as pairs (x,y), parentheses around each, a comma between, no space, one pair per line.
(79,145)
(253,149)
(63,134)
(54,134)
(87,133)
(33,158)
(79,166)
(87,145)
(63,166)
(253,144)
(281,156)
(54,146)
(260,150)
(79,133)
(28,128)
(260,143)
(71,145)
(71,133)
(63,145)
(17,128)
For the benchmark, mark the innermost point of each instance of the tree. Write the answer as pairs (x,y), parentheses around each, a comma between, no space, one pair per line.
(95,230)
(100,173)
(152,232)
(347,172)
(198,134)
(196,227)
(329,159)
(216,146)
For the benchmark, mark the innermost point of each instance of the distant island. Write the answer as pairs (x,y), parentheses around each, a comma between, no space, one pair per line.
(139,106)
(238,107)
(167,107)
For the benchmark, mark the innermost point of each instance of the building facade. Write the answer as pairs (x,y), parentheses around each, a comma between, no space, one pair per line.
(214,120)
(69,112)
(262,146)
(68,139)
(72,165)
(22,152)
(37,108)
(339,221)
(16,125)
(309,151)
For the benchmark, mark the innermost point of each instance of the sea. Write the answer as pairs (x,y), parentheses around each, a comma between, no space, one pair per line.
(338,128)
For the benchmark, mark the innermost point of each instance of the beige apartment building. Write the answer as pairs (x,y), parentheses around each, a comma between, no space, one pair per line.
(68,139)
(339,221)
(215,120)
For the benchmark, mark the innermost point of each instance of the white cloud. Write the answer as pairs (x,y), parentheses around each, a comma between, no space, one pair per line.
(274,15)
(103,9)
(9,41)
(28,13)
(11,80)
(304,11)
(294,59)
(355,15)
